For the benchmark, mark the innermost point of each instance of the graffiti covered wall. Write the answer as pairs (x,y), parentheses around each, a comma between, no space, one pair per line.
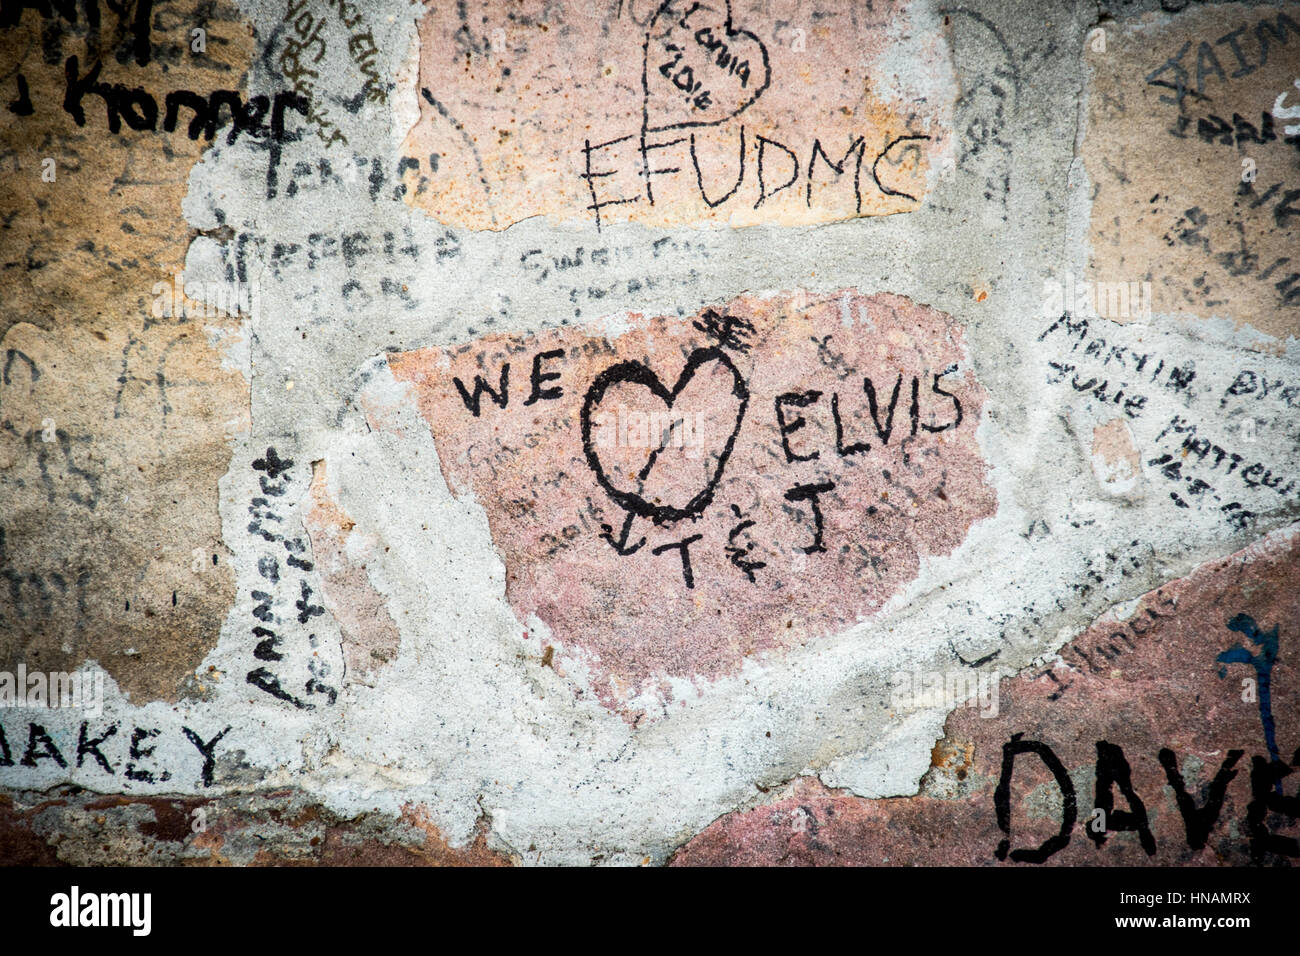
(737,432)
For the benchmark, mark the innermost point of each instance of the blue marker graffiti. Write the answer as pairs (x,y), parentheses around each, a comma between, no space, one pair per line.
(1263,663)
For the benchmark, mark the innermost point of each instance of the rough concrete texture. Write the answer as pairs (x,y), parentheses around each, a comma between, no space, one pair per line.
(1113,709)
(944,358)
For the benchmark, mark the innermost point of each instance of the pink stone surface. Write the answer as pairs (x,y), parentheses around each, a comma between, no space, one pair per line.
(890,488)
(743,112)
(1147,682)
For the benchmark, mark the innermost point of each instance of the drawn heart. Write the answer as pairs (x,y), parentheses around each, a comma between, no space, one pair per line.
(700,69)
(628,377)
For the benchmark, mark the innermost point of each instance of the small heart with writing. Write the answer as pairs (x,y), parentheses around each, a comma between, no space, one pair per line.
(700,69)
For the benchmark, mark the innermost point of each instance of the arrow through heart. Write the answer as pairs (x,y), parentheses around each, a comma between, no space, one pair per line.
(715,370)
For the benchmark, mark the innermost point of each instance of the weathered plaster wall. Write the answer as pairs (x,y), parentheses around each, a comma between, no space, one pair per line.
(610,433)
